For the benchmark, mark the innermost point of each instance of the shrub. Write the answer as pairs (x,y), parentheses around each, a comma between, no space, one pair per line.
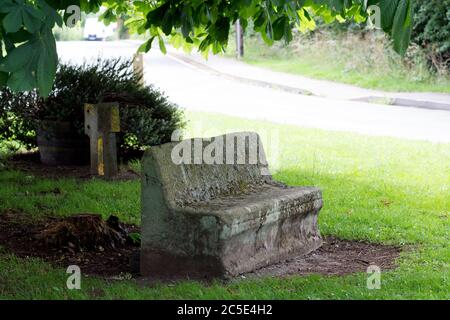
(17,123)
(147,116)
(432,30)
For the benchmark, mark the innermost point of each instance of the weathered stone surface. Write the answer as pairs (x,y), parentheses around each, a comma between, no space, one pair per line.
(221,219)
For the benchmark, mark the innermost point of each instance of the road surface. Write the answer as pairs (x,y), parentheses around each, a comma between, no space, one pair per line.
(198,90)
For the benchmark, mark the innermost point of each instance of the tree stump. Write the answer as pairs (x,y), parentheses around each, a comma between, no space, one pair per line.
(81,232)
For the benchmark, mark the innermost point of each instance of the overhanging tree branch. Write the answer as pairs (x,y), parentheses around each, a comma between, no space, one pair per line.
(28,57)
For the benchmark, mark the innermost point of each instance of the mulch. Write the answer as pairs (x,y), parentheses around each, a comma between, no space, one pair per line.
(20,235)
(335,257)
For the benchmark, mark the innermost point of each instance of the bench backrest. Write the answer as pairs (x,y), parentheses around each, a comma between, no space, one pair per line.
(197,170)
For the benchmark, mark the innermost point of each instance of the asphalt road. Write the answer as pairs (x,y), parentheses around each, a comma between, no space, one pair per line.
(197,90)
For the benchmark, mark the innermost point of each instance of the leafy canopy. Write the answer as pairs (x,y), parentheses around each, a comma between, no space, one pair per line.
(28,57)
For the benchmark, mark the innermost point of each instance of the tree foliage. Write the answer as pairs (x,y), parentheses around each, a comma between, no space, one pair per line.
(431,28)
(27,38)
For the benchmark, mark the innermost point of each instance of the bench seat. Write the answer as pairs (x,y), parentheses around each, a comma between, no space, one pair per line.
(268,203)
(251,222)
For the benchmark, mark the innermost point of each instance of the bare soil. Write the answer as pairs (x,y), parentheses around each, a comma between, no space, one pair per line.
(335,257)
(30,164)
(83,240)
(24,237)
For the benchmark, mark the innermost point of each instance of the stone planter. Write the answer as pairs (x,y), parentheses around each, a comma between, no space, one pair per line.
(59,145)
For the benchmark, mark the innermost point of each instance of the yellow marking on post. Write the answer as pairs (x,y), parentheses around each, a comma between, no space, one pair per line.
(101,164)
(115,120)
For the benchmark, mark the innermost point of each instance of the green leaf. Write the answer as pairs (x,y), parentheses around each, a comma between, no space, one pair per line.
(47,62)
(221,29)
(32,64)
(267,35)
(279,28)
(3,78)
(337,5)
(20,14)
(31,22)
(162,46)
(388,10)
(146,46)
(52,16)
(401,30)
(17,58)
(25,78)
(13,21)
(167,23)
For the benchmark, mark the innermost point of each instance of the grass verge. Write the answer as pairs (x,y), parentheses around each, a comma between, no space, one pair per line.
(365,62)
(383,190)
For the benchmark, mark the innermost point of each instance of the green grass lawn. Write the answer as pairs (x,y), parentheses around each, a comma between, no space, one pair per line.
(384,190)
(364,63)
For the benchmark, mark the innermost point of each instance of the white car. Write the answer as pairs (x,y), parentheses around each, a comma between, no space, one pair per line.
(95,30)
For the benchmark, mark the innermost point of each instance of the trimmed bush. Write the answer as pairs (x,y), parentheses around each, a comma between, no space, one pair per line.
(147,116)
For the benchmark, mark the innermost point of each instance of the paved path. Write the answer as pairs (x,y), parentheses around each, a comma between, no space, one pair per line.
(298,84)
(196,89)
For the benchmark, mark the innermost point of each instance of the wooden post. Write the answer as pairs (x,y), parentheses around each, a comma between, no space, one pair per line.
(138,67)
(239,40)
(101,122)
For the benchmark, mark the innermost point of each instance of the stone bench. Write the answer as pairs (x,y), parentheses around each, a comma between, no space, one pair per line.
(201,219)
